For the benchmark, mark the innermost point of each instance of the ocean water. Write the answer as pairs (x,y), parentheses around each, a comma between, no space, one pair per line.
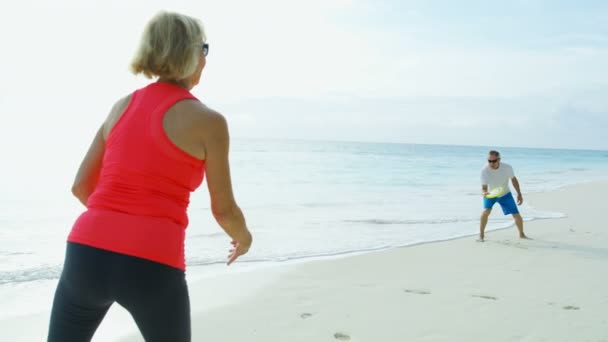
(305,199)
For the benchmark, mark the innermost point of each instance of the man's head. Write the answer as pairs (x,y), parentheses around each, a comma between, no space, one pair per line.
(494,159)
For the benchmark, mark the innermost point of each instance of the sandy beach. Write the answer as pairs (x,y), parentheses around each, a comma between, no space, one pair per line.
(550,288)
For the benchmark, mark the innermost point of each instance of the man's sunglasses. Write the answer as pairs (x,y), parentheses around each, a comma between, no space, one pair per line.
(205,47)
(493,161)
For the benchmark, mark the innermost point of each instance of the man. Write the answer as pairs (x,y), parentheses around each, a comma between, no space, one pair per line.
(494,175)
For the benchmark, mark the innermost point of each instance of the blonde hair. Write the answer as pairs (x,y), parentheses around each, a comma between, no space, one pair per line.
(170,47)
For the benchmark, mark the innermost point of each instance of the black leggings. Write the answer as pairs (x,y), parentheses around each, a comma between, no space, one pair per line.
(156,295)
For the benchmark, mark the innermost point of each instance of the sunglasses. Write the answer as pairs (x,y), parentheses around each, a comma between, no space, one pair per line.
(205,47)
(493,161)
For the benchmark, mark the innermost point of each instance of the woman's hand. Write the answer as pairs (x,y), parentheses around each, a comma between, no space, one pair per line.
(239,247)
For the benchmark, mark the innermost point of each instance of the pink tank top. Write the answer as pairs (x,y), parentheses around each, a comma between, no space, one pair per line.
(139,206)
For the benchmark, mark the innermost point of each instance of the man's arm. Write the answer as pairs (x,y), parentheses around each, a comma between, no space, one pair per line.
(484,183)
(520,198)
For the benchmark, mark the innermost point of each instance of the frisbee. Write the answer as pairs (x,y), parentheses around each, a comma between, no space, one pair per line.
(496,192)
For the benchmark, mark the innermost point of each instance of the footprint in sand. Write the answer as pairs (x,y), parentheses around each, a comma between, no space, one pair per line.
(485,297)
(305,315)
(341,337)
(512,244)
(420,292)
(571,307)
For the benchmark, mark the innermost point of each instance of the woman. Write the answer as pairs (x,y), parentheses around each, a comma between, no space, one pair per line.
(135,180)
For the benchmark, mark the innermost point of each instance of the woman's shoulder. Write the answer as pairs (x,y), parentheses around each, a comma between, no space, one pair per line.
(199,112)
(115,113)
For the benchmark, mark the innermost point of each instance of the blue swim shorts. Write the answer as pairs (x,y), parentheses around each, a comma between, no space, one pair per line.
(507,203)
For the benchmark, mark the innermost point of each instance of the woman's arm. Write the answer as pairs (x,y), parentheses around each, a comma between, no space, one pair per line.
(223,205)
(90,167)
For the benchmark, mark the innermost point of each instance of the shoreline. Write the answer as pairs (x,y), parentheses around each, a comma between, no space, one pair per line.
(254,264)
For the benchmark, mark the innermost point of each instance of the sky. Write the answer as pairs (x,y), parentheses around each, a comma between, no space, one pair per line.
(492,73)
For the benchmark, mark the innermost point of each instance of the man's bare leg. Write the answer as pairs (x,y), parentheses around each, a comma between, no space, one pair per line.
(519,222)
(483,222)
